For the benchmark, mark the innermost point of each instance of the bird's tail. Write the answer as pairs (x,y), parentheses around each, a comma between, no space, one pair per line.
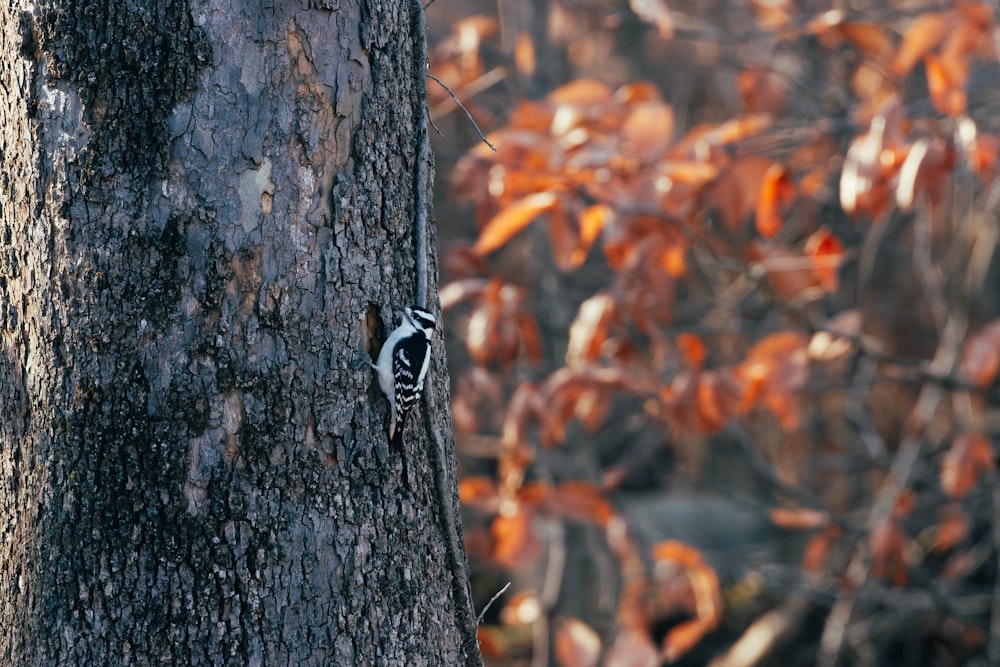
(396,431)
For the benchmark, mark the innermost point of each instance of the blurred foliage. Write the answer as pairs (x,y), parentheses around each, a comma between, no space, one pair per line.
(723,310)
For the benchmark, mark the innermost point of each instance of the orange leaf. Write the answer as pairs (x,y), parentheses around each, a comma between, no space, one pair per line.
(576,644)
(477,490)
(799,518)
(888,545)
(817,548)
(734,194)
(673,259)
(524,54)
(827,253)
(775,368)
(693,350)
(512,220)
(514,539)
(970,455)
(776,191)
(678,552)
(872,38)
(981,356)
(717,397)
(648,130)
(592,221)
(925,33)
(952,529)
(582,92)
(946,85)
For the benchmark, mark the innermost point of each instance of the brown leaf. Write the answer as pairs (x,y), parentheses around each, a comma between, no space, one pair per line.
(970,455)
(576,644)
(788,273)
(952,529)
(735,193)
(717,397)
(872,39)
(581,501)
(774,370)
(981,356)
(512,220)
(888,547)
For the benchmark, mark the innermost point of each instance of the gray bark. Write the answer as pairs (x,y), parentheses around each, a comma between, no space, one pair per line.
(205,208)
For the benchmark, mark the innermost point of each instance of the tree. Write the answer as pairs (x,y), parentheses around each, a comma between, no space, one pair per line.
(206,210)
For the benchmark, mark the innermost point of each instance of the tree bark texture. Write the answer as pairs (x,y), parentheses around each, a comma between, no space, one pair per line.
(206,207)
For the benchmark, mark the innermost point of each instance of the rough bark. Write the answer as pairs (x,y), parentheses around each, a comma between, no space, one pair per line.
(206,208)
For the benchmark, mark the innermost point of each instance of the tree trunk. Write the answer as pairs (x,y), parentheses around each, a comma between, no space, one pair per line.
(206,207)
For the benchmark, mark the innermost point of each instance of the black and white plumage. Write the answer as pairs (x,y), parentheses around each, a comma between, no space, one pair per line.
(402,365)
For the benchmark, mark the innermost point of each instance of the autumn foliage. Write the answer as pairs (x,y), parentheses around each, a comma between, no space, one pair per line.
(783,292)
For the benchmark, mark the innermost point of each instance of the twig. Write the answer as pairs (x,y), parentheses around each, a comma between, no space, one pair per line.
(479,619)
(437,129)
(462,107)
(483,82)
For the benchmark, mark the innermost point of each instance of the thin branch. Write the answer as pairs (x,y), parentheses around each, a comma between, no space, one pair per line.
(479,619)
(437,129)
(462,107)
